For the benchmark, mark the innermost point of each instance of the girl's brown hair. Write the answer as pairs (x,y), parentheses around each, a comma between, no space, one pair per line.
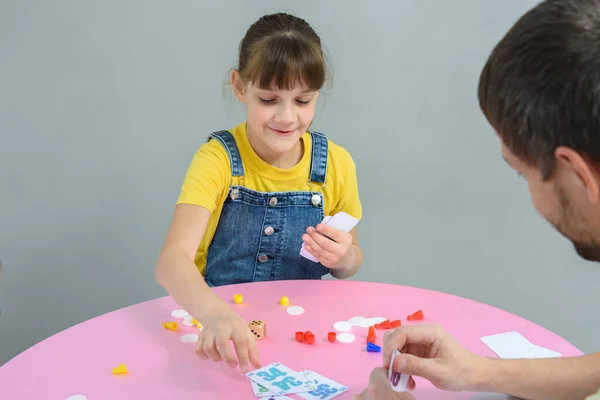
(284,50)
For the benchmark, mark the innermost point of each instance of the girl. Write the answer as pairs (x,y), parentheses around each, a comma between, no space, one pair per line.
(253,194)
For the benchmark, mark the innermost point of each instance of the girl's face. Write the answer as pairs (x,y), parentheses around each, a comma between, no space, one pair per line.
(277,118)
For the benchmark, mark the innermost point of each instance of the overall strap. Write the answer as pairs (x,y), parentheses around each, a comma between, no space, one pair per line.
(318,162)
(228,142)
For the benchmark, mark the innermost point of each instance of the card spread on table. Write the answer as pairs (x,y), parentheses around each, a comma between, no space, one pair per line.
(514,345)
(280,379)
(326,388)
(274,381)
(397,380)
(342,221)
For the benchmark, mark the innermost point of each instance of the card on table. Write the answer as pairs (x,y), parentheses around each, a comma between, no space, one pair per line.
(281,380)
(512,345)
(326,388)
(397,380)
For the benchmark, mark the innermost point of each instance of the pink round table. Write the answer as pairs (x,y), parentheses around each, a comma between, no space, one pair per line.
(79,360)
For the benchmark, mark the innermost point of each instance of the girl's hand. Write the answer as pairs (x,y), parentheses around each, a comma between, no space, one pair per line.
(221,327)
(332,247)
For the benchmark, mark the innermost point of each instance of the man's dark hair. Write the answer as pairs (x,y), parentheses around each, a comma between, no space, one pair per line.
(540,87)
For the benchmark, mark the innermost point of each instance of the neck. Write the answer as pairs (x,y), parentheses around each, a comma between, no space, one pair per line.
(278,160)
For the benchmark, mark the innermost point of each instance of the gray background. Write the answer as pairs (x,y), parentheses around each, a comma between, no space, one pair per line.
(102,105)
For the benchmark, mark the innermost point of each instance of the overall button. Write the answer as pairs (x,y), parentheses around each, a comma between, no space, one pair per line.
(315,200)
(235,193)
(269,230)
(273,201)
(262,258)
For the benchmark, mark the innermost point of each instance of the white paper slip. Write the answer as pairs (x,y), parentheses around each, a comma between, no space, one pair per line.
(326,388)
(511,345)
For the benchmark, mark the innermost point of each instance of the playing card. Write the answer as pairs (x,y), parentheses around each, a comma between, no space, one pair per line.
(260,391)
(326,388)
(342,221)
(397,380)
(280,379)
(510,345)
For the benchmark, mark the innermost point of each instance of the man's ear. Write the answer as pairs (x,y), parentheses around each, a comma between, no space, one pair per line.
(238,86)
(581,170)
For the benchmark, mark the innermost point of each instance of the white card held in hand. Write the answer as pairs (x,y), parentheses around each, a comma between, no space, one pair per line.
(397,380)
(280,379)
(342,221)
(326,388)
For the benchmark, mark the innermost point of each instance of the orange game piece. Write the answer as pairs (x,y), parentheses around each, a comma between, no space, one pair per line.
(299,337)
(172,326)
(377,326)
(121,369)
(331,336)
(309,337)
(371,337)
(395,324)
(415,316)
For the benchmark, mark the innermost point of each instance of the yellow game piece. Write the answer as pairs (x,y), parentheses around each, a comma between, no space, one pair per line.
(237,299)
(121,369)
(172,326)
(284,301)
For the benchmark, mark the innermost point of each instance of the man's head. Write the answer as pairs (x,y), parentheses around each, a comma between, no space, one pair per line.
(540,90)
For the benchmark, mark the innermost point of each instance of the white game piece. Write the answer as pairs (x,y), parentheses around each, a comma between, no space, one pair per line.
(179,313)
(367,323)
(356,321)
(77,397)
(187,317)
(188,323)
(295,310)
(345,337)
(342,326)
(189,338)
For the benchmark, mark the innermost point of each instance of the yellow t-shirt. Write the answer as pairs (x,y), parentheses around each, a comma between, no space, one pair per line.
(208,179)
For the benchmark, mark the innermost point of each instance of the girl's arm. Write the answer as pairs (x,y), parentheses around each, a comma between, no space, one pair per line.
(175,269)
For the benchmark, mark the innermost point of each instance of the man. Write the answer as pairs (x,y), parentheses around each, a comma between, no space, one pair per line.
(540,90)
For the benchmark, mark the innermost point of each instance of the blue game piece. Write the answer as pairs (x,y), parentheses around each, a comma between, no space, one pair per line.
(373,348)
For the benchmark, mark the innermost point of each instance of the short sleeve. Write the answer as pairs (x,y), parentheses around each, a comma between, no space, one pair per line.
(207,177)
(347,187)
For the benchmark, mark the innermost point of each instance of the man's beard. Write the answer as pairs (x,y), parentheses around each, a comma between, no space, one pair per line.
(570,222)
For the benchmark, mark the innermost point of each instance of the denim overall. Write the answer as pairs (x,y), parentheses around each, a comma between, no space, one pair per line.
(259,234)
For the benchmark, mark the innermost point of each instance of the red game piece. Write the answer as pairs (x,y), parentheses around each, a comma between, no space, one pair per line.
(331,336)
(415,316)
(309,337)
(396,323)
(299,336)
(385,325)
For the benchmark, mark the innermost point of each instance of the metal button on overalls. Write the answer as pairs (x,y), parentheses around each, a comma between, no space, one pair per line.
(273,201)
(269,230)
(315,200)
(262,258)
(235,193)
